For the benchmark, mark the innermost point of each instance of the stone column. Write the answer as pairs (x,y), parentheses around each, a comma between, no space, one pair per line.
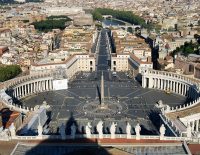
(44,85)
(36,86)
(163,84)
(192,125)
(28,88)
(31,88)
(197,125)
(187,90)
(47,85)
(173,86)
(51,84)
(17,91)
(19,88)
(14,93)
(22,90)
(144,82)
(154,82)
(150,82)
(161,80)
(182,88)
(159,83)
(39,86)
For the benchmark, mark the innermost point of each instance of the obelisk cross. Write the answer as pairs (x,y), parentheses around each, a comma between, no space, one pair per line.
(102,90)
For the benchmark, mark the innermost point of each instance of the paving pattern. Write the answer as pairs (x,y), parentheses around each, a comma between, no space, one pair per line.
(127,100)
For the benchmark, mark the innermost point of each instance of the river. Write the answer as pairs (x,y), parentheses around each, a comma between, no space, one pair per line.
(112,21)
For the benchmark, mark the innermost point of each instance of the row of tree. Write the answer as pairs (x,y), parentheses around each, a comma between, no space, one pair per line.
(127,16)
(9,72)
(52,22)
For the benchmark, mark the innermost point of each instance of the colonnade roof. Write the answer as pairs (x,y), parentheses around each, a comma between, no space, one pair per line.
(194,80)
(184,113)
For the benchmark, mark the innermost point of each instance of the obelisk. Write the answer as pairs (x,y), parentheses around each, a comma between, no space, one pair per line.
(102,90)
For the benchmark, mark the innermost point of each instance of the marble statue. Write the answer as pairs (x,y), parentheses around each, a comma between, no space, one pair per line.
(4,134)
(12,130)
(162,132)
(62,131)
(100,129)
(40,130)
(88,130)
(137,131)
(113,129)
(189,130)
(73,131)
(128,131)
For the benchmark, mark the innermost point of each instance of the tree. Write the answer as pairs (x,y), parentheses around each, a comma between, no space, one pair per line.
(9,72)
(52,22)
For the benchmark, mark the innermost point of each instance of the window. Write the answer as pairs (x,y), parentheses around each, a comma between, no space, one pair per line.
(114,62)
(90,63)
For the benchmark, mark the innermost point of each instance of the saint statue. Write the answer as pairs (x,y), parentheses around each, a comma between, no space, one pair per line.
(88,130)
(137,131)
(162,132)
(128,130)
(73,131)
(62,131)
(112,130)
(100,129)
(189,130)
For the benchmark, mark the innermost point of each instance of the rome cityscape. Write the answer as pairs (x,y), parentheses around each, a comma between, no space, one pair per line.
(99,77)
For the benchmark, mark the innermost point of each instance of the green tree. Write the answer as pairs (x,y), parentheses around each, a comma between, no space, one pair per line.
(9,72)
(52,22)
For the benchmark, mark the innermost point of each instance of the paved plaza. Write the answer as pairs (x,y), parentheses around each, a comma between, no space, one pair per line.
(134,103)
(125,99)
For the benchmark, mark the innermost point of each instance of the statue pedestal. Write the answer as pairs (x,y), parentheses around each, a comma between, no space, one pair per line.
(137,137)
(112,136)
(162,137)
(104,106)
(128,136)
(100,136)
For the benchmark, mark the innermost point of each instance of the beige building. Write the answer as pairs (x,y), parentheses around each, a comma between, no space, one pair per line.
(169,22)
(126,43)
(71,65)
(78,39)
(129,62)
(83,20)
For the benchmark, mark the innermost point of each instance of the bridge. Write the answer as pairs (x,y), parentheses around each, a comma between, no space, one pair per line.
(125,27)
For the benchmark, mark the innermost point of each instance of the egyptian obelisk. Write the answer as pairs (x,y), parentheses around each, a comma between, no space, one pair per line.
(102,91)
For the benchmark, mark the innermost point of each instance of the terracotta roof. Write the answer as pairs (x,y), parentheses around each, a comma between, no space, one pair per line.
(8,117)
(106,141)
(184,113)
(194,148)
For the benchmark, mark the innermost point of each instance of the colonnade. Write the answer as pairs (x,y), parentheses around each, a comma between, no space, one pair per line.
(32,87)
(169,83)
(194,125)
